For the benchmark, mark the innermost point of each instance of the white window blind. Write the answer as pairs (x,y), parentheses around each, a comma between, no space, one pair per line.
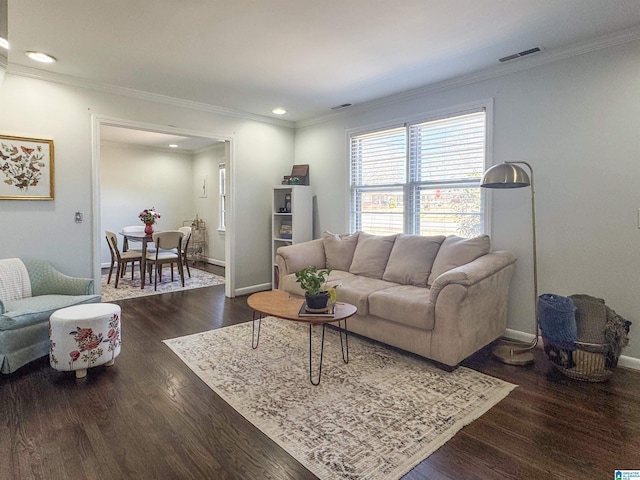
(422,178)
(378,175)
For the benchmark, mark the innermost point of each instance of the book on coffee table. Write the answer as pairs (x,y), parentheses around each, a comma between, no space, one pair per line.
(304,312)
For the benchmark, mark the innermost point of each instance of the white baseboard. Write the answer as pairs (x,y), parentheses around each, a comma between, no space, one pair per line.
(219,263)
(623,361)
(520,336)
(629,362)
(212,261)
(252,289)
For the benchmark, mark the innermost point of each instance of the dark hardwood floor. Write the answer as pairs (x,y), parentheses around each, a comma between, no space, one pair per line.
(150,417)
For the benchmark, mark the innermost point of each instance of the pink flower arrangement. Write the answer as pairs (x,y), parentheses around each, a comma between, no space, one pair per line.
(149,215)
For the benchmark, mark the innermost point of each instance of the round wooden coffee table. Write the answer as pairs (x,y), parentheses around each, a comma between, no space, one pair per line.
(277,303)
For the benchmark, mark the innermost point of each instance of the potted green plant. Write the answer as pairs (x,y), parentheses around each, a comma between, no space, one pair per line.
(312,280)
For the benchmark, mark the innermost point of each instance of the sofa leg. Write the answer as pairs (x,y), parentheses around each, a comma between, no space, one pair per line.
(445,367)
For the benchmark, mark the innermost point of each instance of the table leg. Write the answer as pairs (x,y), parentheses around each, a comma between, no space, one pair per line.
(346,340)
(255,340)
(310,353)
(143,263)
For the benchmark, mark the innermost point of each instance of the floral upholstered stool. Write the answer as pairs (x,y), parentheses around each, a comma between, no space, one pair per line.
(84,336)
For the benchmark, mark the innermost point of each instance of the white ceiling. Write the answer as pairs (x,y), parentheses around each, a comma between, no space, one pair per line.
(155,140)
(305,55)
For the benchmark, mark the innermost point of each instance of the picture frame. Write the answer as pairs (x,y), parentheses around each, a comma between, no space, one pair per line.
(301,172)
(26,168)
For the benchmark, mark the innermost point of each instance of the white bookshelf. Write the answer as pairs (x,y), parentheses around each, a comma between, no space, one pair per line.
(292,226)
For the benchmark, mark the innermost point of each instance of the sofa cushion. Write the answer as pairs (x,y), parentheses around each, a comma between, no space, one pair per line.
(289,284)
(336,277)
(404,304)
(301,255)
(456,251)
(32,310)
(371,255)
(356,290)
(411,259)
(339,249)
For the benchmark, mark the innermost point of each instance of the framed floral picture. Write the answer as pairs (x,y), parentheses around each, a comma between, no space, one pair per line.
(26,168)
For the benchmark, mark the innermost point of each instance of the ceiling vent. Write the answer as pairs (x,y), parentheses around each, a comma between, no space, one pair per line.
(524,53)
(340,107)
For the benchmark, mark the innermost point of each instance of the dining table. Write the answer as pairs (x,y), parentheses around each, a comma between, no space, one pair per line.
(144,238)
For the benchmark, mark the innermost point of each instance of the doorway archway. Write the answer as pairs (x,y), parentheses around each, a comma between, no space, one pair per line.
(98,122)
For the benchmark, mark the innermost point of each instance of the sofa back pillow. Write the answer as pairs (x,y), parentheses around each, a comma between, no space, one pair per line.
(457,251)
(371,255)
(338,249)
(411,259)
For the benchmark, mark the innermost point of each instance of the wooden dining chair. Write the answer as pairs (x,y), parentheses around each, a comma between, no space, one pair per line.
(168,250)
(121,258)
(185,246)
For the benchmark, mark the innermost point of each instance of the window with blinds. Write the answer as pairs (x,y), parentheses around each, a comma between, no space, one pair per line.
(422,178)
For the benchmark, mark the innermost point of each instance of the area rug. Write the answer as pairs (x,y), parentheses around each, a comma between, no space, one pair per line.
(128,288)
(374,418)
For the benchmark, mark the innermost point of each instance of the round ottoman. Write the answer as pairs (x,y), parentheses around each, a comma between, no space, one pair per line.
(84,336)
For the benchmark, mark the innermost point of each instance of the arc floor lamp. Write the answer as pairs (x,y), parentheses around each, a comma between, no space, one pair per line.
(512,175)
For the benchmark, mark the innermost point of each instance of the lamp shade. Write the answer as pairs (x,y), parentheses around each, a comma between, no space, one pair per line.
(505,175)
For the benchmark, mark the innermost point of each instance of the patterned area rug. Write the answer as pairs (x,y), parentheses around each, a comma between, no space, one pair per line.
(376,417)
(128,288)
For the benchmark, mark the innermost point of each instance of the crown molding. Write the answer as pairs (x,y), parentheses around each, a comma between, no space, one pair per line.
(539,59)
(20,70)
(525,63)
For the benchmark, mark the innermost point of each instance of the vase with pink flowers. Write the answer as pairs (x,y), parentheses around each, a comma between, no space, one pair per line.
(149,216)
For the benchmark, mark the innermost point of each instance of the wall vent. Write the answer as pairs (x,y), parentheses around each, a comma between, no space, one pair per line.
(340,107)
(524,53)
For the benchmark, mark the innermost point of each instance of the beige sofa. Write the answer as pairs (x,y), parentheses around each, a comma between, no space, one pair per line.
(440,297)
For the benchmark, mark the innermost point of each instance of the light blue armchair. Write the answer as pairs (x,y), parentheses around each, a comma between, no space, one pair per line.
(30,291)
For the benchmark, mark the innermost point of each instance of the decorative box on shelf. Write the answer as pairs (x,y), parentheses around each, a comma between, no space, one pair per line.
(286,229)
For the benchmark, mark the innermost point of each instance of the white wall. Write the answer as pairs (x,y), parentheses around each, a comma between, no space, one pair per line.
(206,166)
(132,179)
(576,121)
(41,109)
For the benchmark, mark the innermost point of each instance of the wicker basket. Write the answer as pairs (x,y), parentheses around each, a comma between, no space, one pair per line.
(590,362)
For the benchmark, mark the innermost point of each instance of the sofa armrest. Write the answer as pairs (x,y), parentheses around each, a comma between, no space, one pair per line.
(46,280)
(473,272)
(470,306)
(293,258)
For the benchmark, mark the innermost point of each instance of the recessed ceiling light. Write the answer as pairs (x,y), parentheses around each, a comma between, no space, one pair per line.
(173,145)
(41,57)
(4,43)
(279,111)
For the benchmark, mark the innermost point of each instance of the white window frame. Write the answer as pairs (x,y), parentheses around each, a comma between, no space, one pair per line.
(486,105)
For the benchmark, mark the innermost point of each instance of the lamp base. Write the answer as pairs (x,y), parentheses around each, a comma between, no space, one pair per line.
(513,355)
